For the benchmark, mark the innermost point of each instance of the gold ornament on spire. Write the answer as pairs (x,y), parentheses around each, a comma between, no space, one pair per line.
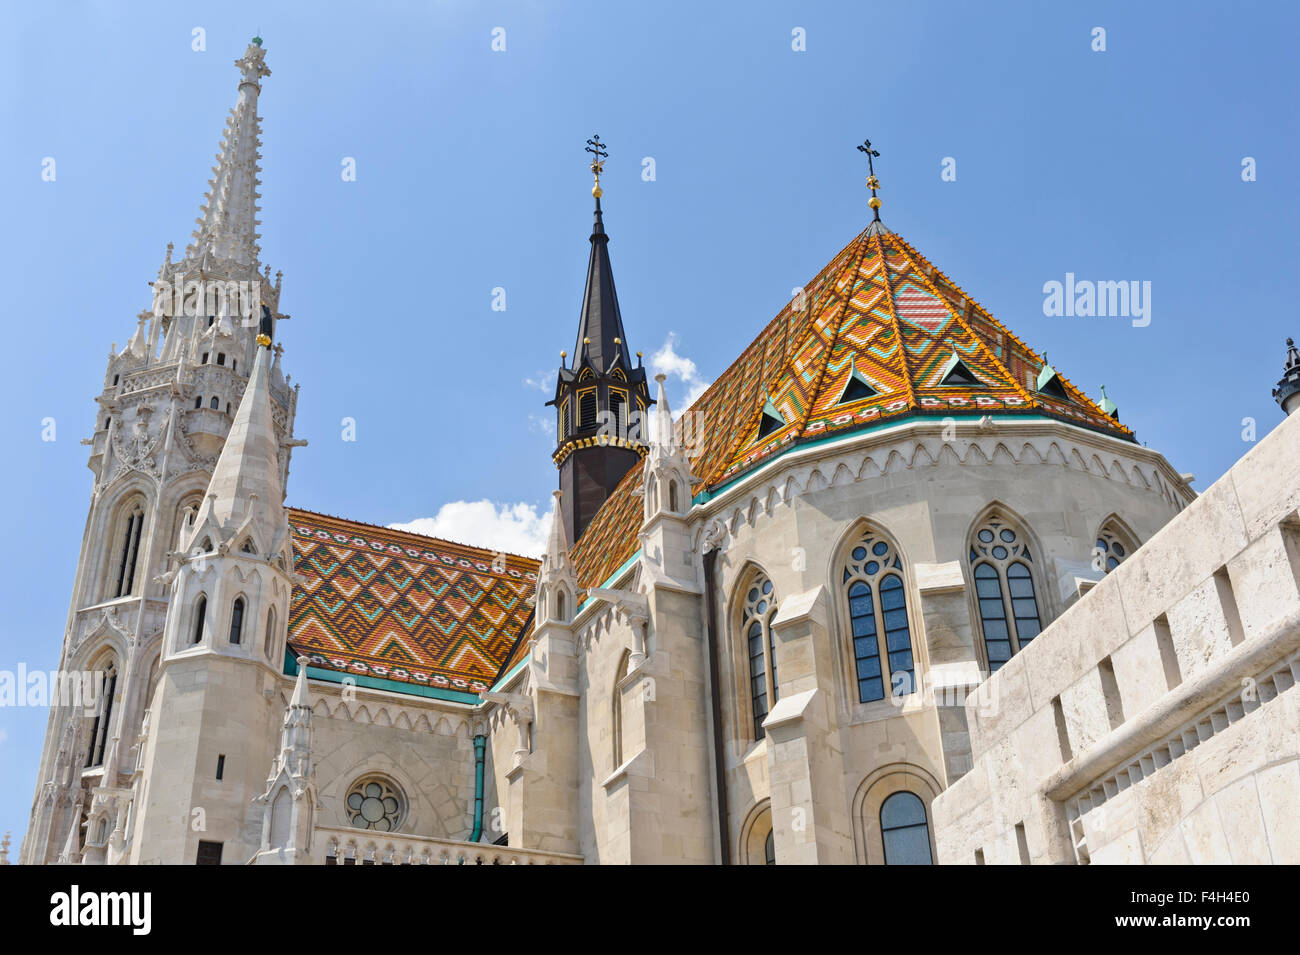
(598,157)
(872,182)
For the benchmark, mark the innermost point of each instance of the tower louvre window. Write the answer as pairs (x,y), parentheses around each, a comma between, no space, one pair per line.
(564,419)
(237,621)
(215,403)
(618,411)
(587,409)
(205,359)
(221,358)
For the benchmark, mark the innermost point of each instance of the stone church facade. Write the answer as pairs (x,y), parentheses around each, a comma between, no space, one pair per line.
(761,633)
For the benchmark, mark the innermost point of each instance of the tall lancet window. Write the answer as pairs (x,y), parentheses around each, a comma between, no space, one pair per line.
(877,603)
(1114,544)
(269,649)
(101,726)
(237,621)
(1004,586)
(128,552)
(200,619)
(756,627)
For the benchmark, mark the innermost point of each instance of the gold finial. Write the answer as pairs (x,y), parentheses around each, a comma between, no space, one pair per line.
(872,182)
(264,340)
(564,354)
(598,157)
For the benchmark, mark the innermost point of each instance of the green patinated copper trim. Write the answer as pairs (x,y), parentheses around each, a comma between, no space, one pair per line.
(378,683)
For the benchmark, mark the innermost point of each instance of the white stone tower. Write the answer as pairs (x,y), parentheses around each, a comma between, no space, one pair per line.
(167,405)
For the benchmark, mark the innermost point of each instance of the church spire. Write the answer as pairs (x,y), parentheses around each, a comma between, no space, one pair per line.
(601,339)
(600,396)
(1287,392)
(245,490)
(227,227)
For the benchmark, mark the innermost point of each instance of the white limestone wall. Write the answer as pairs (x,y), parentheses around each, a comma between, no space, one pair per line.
(1156,721)
(926,493)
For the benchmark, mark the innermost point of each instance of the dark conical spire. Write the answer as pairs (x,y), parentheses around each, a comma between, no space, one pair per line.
(601,338)
(600,396)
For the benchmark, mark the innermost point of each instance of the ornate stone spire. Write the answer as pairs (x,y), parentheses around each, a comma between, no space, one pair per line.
(245,490)
(227,227)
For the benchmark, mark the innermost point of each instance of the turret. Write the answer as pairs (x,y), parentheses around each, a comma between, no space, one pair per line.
(600,394)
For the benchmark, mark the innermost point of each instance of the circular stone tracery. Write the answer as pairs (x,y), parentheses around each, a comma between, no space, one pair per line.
(375,803)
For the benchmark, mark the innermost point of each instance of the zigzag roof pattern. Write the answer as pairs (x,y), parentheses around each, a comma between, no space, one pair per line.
(378,602)
(879,315)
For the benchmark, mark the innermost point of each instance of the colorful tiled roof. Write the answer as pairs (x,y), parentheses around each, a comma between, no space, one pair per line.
(403,607)
(879,316)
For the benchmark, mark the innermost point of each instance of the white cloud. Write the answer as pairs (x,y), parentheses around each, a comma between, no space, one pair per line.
(511,528)
(543,382)
(668,361)
(541,424)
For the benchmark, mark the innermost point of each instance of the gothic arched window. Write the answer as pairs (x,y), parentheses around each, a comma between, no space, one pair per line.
(128,550)
(270,634)
(1004,586)
(215,403)
(101,727)
(237,621)
(904,830)
(198,402)
(672,496)
(756,627)
(877,601)
(1114,544)
(200,619)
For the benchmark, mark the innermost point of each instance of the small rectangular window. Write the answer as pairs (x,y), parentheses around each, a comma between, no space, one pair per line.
(221,764)
(209,853)
(1022,843)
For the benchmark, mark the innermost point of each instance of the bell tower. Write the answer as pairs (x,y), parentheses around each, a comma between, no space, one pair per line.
(601,397)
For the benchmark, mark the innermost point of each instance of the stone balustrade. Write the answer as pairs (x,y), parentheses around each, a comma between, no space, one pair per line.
(336,845)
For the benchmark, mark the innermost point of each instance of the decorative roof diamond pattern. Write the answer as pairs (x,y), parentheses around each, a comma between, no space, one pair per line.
(373,601)
(879,309)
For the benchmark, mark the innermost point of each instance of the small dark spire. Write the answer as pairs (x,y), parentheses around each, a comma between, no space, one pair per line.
(1287,392)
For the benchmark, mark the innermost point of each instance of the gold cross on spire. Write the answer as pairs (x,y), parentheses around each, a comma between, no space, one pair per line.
(598,157)
(872,182)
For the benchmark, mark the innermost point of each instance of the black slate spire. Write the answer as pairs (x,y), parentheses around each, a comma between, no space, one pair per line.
(601,397)
(601,338)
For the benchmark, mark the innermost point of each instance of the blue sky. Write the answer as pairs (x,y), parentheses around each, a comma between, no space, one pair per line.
(1117,165)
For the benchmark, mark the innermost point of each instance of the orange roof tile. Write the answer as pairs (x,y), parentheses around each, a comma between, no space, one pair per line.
(404,607)
(879,312)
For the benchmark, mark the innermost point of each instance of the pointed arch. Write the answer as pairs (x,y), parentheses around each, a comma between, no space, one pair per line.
(105,673)
(237,610)
(1115,542)
(124,572)
(871,578)
(200,622)
(268,640)
(754,604)
(1004,558)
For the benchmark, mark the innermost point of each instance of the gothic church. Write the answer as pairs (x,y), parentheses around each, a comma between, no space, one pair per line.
(894,590)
